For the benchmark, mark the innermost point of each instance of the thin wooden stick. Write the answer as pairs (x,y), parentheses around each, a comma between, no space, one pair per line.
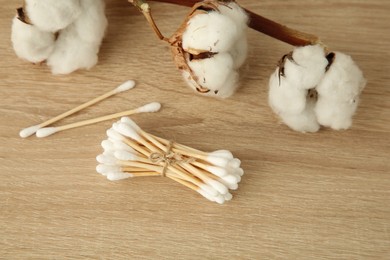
(31,130)
(46,131)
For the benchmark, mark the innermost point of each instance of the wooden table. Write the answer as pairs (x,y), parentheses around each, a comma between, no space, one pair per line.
(304,196)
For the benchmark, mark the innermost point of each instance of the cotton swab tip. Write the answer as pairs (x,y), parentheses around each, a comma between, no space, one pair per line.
(125,156)
(130,122)
(125,86)
(46,131)
(126,130)
(149,108)
(28,131)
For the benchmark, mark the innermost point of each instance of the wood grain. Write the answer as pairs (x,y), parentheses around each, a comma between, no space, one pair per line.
(304,196)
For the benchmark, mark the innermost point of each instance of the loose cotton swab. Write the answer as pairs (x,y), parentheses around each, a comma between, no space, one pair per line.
(149,108)
(33,129)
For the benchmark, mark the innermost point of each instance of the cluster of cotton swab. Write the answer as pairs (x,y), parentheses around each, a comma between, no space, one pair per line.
(131,152)
(215,46)
(66,34)
(311,88)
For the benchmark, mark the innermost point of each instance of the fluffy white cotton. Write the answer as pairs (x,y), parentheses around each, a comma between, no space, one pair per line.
(305,121)
(284,97)
(78,45)
(307,68)
(236,13)
(51,15)
(223,33)
(339,93)
(211,31)
(212,73)
(338,90)
(30,43)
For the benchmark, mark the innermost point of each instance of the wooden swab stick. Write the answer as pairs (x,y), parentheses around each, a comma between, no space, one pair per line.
(32,129)
(46,131)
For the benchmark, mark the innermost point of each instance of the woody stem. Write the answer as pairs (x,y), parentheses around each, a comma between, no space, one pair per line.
(264,25)
(146,11)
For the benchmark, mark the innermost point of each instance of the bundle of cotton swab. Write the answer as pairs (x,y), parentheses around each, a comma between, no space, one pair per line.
(66,34)
(131,152)
(311,88)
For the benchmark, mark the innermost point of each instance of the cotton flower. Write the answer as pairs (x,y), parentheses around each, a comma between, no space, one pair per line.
(211,46)
(77,46)
(30,43)
(308,72)
(66,34)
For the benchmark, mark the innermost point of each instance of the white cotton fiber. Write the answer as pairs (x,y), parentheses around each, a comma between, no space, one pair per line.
(239,52)
(236,13)
(284,97)
(30,43)
(223,33)
(78,45)
(52,15)
(212,72)
(307,68)
(210,32)
(338,93)
(305,121)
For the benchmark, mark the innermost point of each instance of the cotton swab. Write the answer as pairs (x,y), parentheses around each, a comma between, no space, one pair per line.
(149,108)
(33,129)
(130,151)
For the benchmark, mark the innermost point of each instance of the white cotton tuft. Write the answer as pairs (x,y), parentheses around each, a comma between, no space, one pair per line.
(234,163)
(305,121)
(117,176)
(46,131)
(107,145)
(210,190)
(217,161)
(130,122)
(126,130)
(307,68)
(114,135)
(228,196)
(125,86)
(30,43)
(236,13)
(216,74)
(104,169)
(217,186)
(239,52)
(125,156)
(217,171)
(149,108)
(283,97)
(52,16)
(212,31)
(338,93)
(106,159)
(222,153)
(78,44)
(206,195)
(26,132)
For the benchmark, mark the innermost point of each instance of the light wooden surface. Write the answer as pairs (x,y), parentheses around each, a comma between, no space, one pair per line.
(304,196)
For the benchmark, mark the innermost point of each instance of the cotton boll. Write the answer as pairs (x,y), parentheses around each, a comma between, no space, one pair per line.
(30,43)
(78,45)
(210,32)
(51,15)
(307,67)
(305,121)
(339,93)
(284,97)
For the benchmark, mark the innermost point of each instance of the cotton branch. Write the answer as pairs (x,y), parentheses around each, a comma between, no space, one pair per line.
(266,26)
